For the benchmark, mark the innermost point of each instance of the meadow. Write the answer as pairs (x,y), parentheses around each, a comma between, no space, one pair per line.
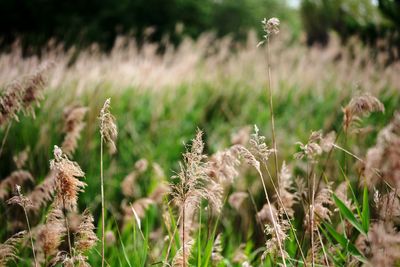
(193,174)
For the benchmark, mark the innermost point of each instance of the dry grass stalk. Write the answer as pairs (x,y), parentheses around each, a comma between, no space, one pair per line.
(271,27)
(8,250)
(108,132)
(193,186)
(252,161)
(24,202)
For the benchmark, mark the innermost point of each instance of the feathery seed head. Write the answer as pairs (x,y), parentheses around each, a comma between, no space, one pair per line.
(270,27)
(8,250)
(67,184)
(108,128)
(360,106)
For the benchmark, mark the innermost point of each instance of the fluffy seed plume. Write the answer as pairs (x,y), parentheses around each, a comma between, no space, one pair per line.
(321,207)
(21,158)
(44,192)
(236,200)
(193,185)
(182,257)
(382,160)
(108,128)
(34,86)
(222,166)
(360,106)
(50,235)
(85,238)
(67,183)
(8,250)
(21,95)
(286,187)
(73,125)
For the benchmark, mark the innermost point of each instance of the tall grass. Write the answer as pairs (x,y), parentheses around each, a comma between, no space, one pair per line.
(329,197)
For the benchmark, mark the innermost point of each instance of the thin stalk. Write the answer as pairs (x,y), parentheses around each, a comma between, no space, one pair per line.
(312,221)
(273,218)
(5,137)
(271,108)
(286,214)
(67,227)
(30,236)
(172,238)
(183,234)
(102,202)
(323,248)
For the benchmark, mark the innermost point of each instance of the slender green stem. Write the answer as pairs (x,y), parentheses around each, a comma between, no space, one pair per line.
(271,108)
(5,137)
(102,202)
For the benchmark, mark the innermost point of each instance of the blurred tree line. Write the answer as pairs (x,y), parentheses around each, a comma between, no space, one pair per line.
(373,21)
(81,22)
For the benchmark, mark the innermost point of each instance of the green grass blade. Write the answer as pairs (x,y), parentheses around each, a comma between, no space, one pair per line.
(365,210)
(348,214)
(345,243)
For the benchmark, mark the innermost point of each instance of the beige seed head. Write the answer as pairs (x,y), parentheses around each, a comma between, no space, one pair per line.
(108,128)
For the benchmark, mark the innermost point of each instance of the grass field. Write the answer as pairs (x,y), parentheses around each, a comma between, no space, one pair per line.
(159,103)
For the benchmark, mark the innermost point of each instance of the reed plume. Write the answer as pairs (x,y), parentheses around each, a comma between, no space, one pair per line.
(85,238)
(67,185)
(50,235)
(191,188)
(382,160)
(66,178)
(21,95)
(73,125)
(21,158)
(108,127)
(181,258)
(43,192)
(360,106)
